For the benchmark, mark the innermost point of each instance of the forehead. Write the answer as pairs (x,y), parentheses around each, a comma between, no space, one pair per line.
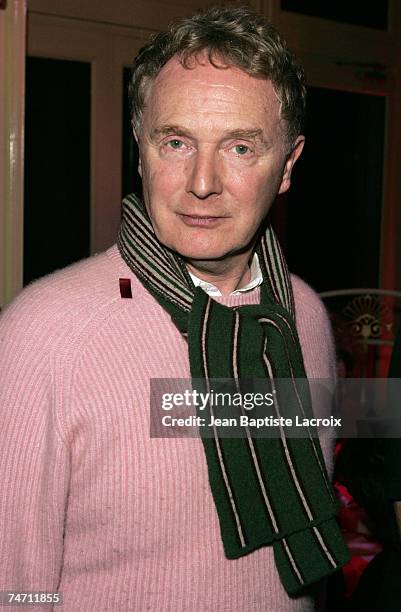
(205,93)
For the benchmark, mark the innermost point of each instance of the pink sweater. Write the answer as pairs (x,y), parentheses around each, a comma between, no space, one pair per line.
(90,506)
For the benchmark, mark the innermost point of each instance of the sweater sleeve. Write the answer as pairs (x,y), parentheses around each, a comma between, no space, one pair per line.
(318,351)
(34,461)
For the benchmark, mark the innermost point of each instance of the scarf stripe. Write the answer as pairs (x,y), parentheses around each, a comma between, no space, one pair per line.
(147,267)
(272,261)
(139,224)
(274,258)
(282,282)
(219,452)
(149,275)
(289,462)
(293,565)
(296,480)
(325,548)
(313,440)
(173,265)
(250,441)
(150,249)
(266,269)
(266,491)
(157,274)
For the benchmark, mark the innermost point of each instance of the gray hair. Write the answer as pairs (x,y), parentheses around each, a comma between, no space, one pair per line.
(238,36)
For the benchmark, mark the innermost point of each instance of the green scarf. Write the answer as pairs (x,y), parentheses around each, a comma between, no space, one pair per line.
(266,491)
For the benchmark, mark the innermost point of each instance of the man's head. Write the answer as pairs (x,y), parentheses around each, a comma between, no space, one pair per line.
(237,35)
(217,109)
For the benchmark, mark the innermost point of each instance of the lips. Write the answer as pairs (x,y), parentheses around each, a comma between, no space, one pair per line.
(200,220)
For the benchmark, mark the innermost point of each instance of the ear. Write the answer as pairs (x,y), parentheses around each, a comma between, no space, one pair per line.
(290,161)
(135,134)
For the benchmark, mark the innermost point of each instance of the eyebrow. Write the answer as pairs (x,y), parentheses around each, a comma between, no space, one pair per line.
(253,134)
(163,130)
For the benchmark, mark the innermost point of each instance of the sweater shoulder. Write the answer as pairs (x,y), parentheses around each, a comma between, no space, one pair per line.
(314,331)
(62,295)
(304,294)
(64,302)
(307,301)
(63,310)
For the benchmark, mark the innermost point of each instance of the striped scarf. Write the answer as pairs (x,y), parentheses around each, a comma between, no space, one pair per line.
(266,491)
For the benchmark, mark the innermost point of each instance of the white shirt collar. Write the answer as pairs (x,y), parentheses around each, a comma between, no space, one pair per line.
(213,291)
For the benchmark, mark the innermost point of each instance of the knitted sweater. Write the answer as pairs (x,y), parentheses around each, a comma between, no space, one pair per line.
(90,505)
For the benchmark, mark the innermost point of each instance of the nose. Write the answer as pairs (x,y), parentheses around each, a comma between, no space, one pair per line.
(204,175)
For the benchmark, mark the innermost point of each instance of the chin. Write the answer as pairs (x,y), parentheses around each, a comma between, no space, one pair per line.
(190,249)
(201,256)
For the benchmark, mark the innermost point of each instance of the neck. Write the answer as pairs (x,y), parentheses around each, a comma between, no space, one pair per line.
(226,275)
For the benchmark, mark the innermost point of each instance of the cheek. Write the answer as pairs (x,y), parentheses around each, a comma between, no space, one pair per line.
(256,187)
(254,197)
(162,179)
(158,187)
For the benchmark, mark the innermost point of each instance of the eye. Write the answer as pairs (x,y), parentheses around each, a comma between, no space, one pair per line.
(175,143)
(241,149)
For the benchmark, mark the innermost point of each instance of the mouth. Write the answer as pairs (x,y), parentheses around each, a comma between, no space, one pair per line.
(199,220)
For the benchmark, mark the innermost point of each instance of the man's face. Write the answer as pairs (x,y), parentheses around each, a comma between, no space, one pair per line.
(212,158)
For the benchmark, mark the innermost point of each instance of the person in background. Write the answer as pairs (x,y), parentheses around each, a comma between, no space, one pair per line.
(392,449)
(196,287)
(380,587)
(371,471)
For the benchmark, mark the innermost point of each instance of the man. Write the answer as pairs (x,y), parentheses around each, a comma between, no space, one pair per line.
(91,505)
